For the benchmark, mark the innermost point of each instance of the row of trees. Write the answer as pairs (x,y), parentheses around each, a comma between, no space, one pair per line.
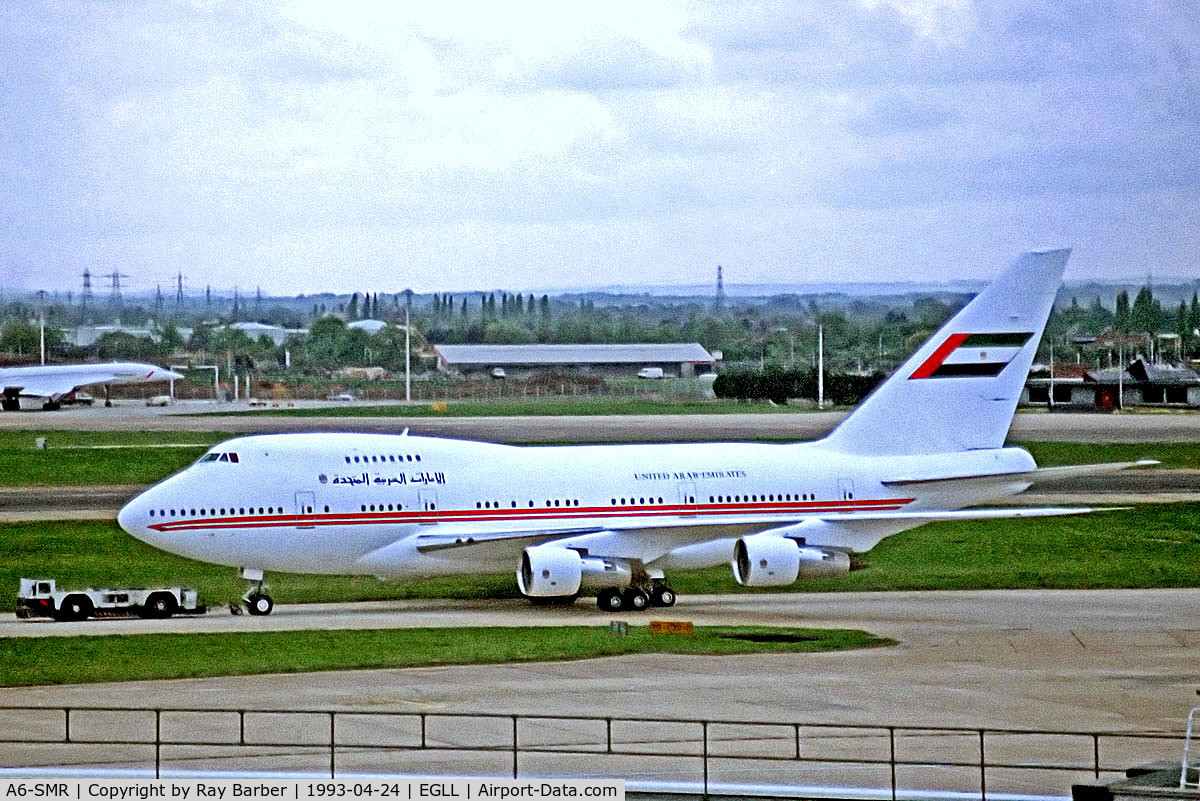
(1145,315)
(861,337)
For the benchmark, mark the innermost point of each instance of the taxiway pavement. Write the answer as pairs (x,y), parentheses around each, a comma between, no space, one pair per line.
(1099,660)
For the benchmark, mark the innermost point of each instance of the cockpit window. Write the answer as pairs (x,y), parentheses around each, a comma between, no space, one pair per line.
(210,457)
(219,457)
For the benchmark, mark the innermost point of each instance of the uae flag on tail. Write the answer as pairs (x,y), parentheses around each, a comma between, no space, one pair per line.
(972,355)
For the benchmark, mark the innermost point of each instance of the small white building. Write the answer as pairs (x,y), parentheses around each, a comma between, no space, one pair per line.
(87,335)
(684,360)
(277,334)
(370,326)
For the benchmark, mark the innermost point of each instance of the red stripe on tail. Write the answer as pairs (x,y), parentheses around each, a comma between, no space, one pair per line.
(940,355)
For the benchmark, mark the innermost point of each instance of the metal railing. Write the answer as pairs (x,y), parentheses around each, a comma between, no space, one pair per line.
(699,753)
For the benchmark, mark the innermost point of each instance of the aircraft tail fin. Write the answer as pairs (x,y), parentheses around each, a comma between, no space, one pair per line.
(959,390)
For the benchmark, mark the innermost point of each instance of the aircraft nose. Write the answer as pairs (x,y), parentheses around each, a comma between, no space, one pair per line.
(167,375)
(133,518)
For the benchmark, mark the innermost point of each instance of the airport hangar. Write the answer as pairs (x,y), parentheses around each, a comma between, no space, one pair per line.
(682,360)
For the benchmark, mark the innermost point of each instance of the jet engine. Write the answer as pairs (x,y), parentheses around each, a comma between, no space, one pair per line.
(768,560)
(765,560)
(551,570)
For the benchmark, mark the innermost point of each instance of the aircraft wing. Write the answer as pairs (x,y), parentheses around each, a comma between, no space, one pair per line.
(431,543)
(647,542)
(54,381)
(42,388)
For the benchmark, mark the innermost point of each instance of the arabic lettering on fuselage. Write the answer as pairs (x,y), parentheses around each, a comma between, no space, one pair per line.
(401,479)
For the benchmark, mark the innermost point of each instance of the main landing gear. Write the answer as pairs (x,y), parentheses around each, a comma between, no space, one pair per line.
(258,602)
(635,599)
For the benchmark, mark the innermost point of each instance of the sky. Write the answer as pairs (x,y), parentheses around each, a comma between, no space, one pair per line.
(307,146)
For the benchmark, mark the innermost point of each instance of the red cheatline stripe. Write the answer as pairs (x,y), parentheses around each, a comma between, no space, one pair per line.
(535,514)
(527,514)
(939,356)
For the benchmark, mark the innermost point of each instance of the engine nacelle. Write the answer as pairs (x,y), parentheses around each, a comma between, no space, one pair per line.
(550,570)
(768,560)
(821,563)
(765,560)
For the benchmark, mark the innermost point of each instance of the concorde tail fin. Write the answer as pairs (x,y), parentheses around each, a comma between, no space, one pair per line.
(959,390)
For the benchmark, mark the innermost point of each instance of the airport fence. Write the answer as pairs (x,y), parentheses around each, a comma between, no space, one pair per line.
(684,755)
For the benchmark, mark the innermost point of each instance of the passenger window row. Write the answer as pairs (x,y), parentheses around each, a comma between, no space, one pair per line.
(214,512)
(770,498)
(391,457)
(640,501)
(513,504)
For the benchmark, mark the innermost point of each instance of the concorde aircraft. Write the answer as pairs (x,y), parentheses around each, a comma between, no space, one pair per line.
(49,383)
(928,443)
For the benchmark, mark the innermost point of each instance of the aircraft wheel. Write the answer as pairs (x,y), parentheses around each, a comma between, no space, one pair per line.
(259,604)
(635,599)
(611,600)
(662,595)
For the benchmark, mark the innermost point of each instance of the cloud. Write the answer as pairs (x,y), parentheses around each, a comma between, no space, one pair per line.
(899,113)
(604,62)
(225,136)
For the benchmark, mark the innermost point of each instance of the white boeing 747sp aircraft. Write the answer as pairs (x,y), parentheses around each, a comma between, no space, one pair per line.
(51,382)
(926,444)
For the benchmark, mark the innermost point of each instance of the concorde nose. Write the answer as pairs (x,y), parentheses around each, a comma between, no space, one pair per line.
(167,375)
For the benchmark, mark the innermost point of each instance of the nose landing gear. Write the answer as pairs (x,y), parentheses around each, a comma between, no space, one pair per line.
(257,601)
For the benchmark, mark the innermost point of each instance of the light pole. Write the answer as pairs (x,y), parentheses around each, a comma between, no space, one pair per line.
(820,367)
(42,323)
(407,351)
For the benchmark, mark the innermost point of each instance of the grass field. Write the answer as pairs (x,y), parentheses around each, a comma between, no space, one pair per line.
(1149,546)
(55,660)
(77,458)
(81,458)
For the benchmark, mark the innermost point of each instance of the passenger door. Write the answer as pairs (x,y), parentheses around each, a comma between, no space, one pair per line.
(687,498)
(427,501)
(306,505)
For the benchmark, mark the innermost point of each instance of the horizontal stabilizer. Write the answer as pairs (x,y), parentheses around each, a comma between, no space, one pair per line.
(1071,471)
(1033,476)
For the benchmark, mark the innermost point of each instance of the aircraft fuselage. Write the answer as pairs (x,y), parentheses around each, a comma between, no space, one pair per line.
(328,503)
